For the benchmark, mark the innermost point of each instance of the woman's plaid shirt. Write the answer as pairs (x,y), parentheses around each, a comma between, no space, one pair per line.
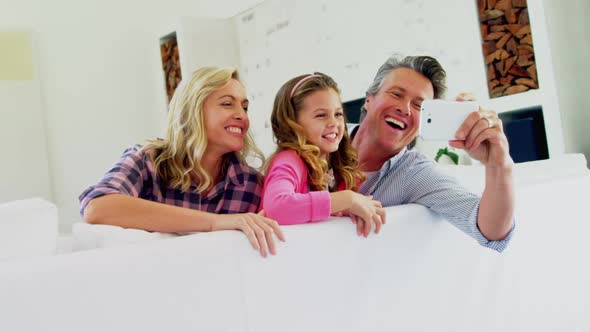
(133,175)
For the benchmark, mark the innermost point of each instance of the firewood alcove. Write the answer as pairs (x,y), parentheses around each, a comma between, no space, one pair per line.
(507,45)
(170,63)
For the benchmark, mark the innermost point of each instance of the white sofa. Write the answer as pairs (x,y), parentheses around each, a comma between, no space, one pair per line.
(27,228)
(419,274)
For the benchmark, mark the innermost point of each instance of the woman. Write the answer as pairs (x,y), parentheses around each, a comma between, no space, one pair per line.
(196,179)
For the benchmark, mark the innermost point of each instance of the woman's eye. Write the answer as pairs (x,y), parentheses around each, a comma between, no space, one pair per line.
(321,116)
(339,114)
(226,104)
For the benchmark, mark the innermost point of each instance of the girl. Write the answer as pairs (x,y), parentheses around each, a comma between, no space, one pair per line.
(194,180)
(314,172)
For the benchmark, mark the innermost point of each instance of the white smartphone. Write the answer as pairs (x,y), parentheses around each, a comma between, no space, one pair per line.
(440,119)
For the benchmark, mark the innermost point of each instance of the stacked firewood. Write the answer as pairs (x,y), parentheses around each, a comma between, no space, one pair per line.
(171,66)
(507,46)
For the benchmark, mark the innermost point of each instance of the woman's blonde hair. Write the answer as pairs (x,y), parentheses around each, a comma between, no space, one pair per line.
(177,157)
(289,135)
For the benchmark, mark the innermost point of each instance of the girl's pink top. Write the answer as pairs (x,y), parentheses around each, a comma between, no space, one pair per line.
(286,197)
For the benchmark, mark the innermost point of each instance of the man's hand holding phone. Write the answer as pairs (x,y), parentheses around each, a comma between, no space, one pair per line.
(482,136)
(468,127)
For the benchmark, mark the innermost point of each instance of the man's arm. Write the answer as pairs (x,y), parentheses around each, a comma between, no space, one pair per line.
(496,211)
(482,136)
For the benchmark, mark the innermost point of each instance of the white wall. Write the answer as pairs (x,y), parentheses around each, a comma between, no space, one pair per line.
(101,83)
(24,167)
(206,42)
(101,87)
(568,26)
(280,39)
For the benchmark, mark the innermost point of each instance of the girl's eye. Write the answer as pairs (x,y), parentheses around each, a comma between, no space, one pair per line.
(321,115)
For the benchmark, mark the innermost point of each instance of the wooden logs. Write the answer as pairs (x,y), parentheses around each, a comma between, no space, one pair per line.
(507,45)
(170,65)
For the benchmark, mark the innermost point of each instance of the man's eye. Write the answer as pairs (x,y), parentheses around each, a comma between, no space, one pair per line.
(245,108)
(417,106)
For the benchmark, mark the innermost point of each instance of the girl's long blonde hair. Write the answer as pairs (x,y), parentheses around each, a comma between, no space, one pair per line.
(289,135)
(177,157)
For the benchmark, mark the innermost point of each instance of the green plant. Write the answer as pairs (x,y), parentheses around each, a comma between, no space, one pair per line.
(445,151)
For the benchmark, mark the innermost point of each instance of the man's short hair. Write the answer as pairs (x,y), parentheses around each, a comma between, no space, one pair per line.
(425,65)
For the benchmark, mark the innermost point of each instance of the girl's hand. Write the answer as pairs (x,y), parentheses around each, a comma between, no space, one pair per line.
(345,213)
(367,214)
(258,229)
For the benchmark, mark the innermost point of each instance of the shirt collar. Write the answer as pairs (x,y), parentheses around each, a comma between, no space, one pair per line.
(392,162)
(236,171)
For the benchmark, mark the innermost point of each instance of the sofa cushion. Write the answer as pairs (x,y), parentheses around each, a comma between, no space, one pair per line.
(27,228)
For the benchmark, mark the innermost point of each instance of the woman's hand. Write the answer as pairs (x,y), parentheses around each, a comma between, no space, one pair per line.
(367,214)
(258,229)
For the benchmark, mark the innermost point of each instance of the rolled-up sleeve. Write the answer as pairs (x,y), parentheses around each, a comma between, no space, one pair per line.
(444,195)
(125,177)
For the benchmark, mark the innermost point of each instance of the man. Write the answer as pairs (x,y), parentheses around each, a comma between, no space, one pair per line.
(397,175)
